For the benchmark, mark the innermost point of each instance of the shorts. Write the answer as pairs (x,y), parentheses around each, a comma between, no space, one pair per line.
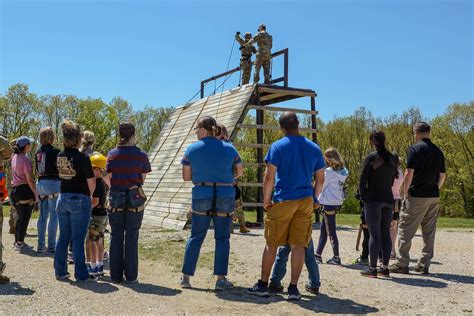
(97,227)
(289,222)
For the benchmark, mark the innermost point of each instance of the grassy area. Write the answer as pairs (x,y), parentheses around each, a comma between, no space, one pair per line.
(6,212)
(353,220)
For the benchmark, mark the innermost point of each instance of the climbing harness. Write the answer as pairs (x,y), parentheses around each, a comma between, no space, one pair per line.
(213,211)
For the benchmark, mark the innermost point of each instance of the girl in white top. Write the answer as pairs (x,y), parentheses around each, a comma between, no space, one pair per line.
(330,199)
(397,184)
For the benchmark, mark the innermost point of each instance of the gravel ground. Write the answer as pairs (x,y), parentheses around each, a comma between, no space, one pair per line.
(449,289)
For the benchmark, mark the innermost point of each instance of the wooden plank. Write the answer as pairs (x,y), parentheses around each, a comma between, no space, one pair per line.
(287,91)
(273,127)
(280,109)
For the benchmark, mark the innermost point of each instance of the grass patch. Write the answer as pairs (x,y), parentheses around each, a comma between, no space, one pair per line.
(6,213)
(171,253)
(353,220)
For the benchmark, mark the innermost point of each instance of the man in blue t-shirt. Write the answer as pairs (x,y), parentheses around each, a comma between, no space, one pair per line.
(292,162)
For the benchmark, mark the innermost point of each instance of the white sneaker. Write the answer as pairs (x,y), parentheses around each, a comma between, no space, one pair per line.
(185,283)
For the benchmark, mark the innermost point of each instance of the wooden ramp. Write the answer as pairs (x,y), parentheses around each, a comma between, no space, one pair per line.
(169,197)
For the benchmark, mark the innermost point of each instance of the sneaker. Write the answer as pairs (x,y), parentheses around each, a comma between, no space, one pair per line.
(101,270)
(319,259)
(361,261)
(131,281)
(50,251)
(41,249)
(63,277)
(224,284)
(275,288)
(93,271)
(259,289)
(293,293)
(335,261)
(22,246)
(421,269)
(393,256)
(383,272)
(91,278)
(185,283)
(312,290)
(370,273)
(70,258)
(395,268)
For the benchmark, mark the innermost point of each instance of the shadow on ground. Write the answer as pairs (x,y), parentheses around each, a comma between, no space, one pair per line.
(147,288)
(15,288)
(320,303)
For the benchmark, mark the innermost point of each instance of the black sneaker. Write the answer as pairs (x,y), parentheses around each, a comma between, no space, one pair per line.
(91,278)
(312,290)
(421,269)
(293,293)
(369,272)
(383,272)
(335,261)
(275,288)
(259,289)
(395,268)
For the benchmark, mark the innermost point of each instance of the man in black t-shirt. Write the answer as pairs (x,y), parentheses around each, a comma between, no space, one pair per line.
(424,176)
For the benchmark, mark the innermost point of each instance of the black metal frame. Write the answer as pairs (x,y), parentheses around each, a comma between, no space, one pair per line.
(283,79)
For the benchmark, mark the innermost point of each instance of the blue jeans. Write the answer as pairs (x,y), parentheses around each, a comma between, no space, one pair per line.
(47,209)
(74,212)
(200,225)
(124,244)
(279,268)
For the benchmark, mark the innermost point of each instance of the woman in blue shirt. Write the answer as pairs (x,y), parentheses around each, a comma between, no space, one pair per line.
(210,163)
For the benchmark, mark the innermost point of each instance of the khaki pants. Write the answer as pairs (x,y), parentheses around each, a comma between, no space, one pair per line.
(417,211)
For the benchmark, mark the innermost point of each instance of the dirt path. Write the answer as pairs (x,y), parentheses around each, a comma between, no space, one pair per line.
(450,289)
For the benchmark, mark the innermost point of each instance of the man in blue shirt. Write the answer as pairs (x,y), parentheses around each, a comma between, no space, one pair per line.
(292,162)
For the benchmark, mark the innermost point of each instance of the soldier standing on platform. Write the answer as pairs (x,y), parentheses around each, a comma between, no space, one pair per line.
(246,56)
(264,55)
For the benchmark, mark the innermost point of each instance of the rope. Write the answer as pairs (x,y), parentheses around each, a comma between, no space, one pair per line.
(164,141)
(227,77)
(177,152)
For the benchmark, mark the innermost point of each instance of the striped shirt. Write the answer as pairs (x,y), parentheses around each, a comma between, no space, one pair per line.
(127,164)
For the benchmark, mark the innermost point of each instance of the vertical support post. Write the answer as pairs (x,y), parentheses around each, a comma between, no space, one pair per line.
(314,136)
(202,89)
(259,121)
(285,69)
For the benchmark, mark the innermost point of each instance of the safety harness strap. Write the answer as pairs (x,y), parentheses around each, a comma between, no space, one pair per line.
(213,184)
(48,197)
(214,213)
(121,209)
(23,202)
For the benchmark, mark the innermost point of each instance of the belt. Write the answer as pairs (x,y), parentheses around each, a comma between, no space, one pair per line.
(214,213)
(23,202)
(121,209)
(48,197)
(213,184)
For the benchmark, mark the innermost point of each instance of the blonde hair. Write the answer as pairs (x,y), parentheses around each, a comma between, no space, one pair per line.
(333,158)
(47,136)
(88,139)
(71,134)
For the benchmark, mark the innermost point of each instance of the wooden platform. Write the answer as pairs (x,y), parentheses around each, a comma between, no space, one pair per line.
(169,197)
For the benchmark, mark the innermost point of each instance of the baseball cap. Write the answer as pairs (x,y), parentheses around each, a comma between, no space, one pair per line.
(22,141)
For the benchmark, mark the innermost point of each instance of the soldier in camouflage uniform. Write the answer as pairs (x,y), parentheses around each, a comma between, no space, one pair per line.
(5,153)
(264,54)
(246,56)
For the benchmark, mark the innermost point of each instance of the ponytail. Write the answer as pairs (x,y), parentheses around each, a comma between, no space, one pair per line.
(378,140)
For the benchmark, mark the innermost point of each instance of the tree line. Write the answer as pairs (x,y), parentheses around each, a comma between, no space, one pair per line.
(23,112)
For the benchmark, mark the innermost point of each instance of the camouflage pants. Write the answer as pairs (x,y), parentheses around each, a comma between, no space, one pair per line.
(264,61)
(239,211)
(245,68)
(13,218)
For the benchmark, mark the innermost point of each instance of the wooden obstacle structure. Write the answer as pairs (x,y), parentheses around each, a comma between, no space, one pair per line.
(169,197)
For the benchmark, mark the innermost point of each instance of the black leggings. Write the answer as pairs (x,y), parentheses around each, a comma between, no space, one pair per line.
(22,193)
(378,216)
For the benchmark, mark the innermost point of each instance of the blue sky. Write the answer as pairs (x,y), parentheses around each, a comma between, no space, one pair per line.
(384,55)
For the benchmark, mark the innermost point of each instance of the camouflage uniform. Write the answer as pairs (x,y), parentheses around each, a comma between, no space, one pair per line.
(264,55)
(246,56)
(5,153)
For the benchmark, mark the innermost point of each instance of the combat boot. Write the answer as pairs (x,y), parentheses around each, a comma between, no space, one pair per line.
(243,229)
(12,230)
(4,279)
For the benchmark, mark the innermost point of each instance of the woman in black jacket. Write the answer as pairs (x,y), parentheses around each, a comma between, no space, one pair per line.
(375,187)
